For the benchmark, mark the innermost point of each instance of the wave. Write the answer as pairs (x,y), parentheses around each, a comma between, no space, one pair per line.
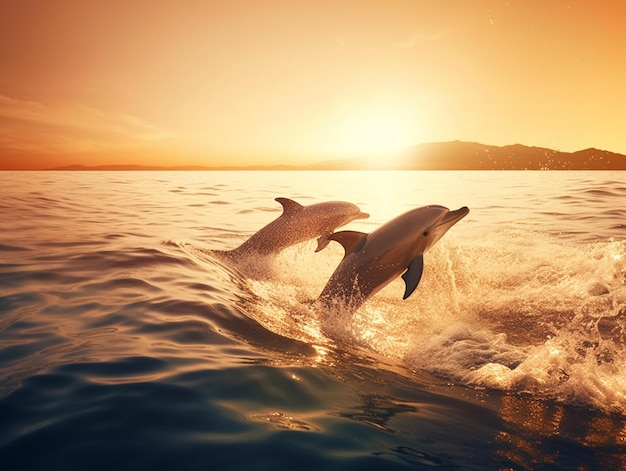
(528,315)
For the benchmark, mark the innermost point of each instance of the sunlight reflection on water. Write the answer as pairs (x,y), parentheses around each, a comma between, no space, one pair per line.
(119,328)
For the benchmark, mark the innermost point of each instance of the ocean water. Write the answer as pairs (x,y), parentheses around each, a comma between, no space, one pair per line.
(125,345)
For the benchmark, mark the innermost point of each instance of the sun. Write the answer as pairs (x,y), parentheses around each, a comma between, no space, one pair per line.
(377,130)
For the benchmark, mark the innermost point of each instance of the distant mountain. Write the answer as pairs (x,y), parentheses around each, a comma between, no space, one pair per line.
(459,155)
(179,167)
(455,155)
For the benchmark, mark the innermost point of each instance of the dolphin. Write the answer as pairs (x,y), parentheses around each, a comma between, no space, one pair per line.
(373,260)
(297,224)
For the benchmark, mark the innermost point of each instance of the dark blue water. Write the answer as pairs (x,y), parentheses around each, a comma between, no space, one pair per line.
(124,345)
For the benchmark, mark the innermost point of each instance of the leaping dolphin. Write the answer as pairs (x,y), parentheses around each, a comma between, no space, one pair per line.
(373,260)
(297,224)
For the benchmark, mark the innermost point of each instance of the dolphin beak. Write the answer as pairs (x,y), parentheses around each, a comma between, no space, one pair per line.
(454,216)
(362,215)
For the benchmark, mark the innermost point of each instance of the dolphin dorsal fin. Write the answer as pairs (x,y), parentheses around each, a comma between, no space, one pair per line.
(351,240)
(289,206)
(413,275)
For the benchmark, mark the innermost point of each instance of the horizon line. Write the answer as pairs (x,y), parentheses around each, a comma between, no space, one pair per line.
(406,162)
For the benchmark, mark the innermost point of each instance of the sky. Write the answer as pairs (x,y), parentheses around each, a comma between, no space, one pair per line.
(248,82)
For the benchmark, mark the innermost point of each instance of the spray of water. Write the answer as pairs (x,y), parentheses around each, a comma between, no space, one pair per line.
(520,314)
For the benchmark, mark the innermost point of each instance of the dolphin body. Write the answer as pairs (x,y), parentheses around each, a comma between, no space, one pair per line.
(297,224)
(373,260)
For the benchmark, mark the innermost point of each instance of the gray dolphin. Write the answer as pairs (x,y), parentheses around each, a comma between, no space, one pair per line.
(373,260)
(297,224)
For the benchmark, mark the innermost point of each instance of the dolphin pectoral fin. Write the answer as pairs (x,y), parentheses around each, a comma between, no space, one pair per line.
(289,206)
(322,242)
(351,240)
(413,275)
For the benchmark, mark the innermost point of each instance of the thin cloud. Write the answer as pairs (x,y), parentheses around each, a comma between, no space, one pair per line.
(30,125)
(341,42)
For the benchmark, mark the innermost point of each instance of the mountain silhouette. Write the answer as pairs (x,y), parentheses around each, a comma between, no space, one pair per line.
(454,155)
(460,155)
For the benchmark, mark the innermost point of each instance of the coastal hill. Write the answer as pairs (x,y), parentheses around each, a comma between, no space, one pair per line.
(126,167)
(455,155)
(459,155)
(474,156)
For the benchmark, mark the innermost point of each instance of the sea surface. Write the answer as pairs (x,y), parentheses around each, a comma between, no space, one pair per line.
(124,345)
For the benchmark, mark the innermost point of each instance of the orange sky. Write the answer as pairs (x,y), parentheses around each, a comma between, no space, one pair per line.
(212,82)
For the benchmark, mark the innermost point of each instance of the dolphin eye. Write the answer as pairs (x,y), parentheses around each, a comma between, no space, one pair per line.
(425,234)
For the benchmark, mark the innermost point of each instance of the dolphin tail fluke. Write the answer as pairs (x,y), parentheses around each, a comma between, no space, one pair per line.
(413,275)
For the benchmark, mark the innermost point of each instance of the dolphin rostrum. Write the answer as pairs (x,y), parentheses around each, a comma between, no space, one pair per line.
(297,224)
(373,260)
